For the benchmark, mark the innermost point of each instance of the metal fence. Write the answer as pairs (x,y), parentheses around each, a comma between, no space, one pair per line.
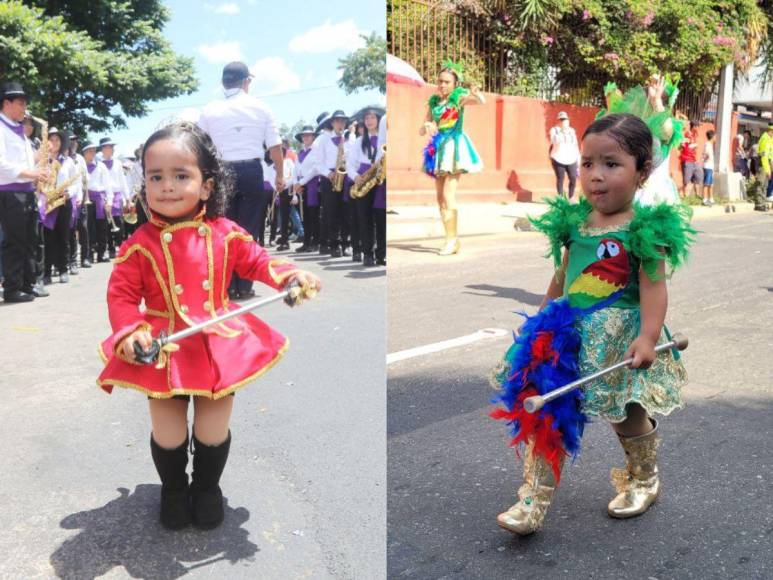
(426,32)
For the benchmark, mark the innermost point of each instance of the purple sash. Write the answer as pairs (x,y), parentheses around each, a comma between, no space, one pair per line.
(312,192)
(302,155)
(20,187)
(117,209)
(345,192)
(18,129)
(267,187)
(98,199)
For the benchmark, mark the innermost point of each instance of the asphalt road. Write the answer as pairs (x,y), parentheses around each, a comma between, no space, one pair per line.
(304,482)
(450,470)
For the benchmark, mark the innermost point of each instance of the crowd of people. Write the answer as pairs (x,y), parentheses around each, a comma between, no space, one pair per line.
(66,205)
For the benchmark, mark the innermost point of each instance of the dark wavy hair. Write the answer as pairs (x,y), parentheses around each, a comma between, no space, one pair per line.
(367,148)
(198,142)
(630,132)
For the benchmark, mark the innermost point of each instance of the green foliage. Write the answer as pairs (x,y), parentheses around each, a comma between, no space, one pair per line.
(578,45)
(365,68)
(88,65)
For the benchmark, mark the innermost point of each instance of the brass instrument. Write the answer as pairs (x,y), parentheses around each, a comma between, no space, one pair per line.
(373,177)
(129,212)
(56,195)
(340,170)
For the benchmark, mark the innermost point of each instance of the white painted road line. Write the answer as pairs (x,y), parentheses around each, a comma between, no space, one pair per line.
(483,334)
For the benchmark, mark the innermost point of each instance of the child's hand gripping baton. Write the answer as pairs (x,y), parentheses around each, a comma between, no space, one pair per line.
(535,403)
(293,295)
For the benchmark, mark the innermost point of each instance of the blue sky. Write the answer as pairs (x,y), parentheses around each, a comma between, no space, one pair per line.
(292,48)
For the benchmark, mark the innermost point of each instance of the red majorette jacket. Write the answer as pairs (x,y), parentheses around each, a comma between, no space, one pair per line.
(182,271)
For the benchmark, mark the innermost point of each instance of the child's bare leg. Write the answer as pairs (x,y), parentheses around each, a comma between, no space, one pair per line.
(636,423)
(441,200)
(449,214)
(169,418)
(211,419)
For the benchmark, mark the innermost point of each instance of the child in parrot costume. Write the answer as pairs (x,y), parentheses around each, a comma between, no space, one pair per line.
(591,326)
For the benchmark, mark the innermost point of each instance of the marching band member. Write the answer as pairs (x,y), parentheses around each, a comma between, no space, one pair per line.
(80,218)
(57,222)
(307,185)
(18,206)
(330,152)
(118,193)
(100,191)
(240,125)
(285,197)
(371,207)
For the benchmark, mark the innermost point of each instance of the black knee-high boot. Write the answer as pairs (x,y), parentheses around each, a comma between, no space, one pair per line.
(206,496)
(170,464)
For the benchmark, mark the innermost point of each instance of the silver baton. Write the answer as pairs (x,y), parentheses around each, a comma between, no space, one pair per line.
(535,403)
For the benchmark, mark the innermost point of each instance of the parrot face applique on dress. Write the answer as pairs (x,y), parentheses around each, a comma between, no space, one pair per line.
(604,278)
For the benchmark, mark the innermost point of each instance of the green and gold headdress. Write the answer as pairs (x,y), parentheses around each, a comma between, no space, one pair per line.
(457,67)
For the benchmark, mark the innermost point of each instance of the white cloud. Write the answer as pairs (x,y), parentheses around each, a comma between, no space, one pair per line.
(273,75)
(328,38)
(227,8)
(221,52)
(191,114)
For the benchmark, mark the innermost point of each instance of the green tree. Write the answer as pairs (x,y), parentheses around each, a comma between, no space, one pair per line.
(90,64)
(365,68)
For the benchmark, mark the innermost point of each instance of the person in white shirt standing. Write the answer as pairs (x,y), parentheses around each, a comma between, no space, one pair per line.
(80,212)
(239,126)
(117,194)
(305,186)
(57,221)
(326,152)
(18,204)
(564,154)
(708,169)
(97,185)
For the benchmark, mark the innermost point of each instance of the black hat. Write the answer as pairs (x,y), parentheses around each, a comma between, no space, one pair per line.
(338,114)
(53,131)
(88,145)
(377,110)
(321,117)
(104,141)
(235,71)
(12,90)
(306,130)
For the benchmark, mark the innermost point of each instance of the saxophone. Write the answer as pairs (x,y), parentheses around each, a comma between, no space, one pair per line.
(56,195)
(373,177)
(340,170)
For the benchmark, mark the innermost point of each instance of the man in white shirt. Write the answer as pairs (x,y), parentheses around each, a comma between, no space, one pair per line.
(117,194)
(18,204)
(239,126)
(564,154)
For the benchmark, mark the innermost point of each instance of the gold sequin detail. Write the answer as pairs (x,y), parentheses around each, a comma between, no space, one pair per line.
(178,288)
(206,285)
(167,237)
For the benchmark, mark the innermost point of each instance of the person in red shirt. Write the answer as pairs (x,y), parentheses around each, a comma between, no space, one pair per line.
(692,172)
(179,264)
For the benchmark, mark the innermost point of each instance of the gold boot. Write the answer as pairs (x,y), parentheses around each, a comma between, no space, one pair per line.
(452,244)
(535,495)
(638,484)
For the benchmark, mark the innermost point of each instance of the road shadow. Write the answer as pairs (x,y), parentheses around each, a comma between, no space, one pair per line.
(517,294)
(451,468)
(369,273)
(126,532)
(419,248)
